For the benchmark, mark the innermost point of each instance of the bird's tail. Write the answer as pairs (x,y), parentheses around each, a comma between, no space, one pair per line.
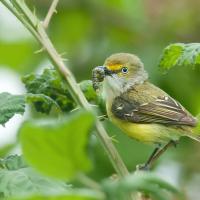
(195,133)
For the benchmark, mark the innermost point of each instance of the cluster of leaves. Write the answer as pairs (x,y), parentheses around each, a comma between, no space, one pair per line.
(19,181)
(46,92)
(49,89)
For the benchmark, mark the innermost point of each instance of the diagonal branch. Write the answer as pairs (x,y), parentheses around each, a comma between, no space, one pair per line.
(50,13)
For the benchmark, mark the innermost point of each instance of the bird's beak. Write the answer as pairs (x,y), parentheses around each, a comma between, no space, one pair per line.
(107,71)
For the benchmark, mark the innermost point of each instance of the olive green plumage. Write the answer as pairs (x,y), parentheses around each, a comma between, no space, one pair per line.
(142,110)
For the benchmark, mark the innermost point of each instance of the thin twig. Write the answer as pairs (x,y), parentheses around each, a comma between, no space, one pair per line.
(50,13)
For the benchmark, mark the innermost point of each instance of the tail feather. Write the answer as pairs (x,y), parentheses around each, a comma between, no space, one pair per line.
(195,134)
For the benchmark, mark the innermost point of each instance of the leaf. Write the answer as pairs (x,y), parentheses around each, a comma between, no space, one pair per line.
(22,54)
(87,89)
(57,148)
(180,54)
(13,162)
(42,102)
(4,150)
(73,195)
(18,180)
(147,183)
(10,105)
(49,89)
(48,84)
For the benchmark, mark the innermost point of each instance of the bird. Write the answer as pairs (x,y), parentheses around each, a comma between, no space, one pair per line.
(140,109)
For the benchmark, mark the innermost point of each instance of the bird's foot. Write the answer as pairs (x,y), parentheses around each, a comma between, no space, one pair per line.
(143,167)
(102,117)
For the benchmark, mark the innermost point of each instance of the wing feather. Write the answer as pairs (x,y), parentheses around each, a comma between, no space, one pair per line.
(164,110)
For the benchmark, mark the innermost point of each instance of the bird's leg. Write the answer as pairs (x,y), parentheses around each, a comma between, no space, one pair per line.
(149,161)
(159,153)
(156,154)
(102,117)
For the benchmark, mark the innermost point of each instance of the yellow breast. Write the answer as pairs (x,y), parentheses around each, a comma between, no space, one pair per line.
(146,133)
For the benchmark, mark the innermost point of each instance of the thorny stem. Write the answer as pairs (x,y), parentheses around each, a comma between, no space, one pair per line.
(50,13)
(31,22)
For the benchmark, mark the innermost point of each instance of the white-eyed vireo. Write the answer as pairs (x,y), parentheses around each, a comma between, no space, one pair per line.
(142,110)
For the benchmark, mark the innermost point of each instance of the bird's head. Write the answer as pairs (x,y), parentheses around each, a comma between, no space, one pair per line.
(124,70)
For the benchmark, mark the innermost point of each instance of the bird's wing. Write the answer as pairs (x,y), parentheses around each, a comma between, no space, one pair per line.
(163,110)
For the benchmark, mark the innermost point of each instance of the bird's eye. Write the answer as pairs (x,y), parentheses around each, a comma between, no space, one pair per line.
(124,70)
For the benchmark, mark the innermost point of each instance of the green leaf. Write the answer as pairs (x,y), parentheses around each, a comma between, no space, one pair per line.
(13,162)
(180,54)
(48,84)
(57,148)
(147,183)
(18,180)
(49,89)
(73,195)
(87,89)
(10,105)
(42,102)
(90,94)
(22,54)
(4,150)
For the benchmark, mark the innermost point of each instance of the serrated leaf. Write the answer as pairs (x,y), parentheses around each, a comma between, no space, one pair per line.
(180,54)
(10,105)
(42,102)
(20,180)
(49,84)
(49,89)
(57,148)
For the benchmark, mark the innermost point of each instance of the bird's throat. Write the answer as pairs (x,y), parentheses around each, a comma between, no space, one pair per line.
(114,86)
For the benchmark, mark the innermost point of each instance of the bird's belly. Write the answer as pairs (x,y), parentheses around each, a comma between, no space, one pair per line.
(147,133)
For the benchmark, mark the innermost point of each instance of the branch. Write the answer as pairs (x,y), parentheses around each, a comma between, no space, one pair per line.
(50,13)
(24,14)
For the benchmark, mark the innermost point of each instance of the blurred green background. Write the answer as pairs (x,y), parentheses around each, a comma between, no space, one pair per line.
(86,32)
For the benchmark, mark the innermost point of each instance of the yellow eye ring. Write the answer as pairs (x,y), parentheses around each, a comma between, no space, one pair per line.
(124,70)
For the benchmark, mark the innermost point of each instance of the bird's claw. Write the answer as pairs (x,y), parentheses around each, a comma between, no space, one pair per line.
(142,167)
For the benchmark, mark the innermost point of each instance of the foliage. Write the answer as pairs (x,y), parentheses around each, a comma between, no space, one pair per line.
(17,179)
(50,146)
(180,54)
(147,183)
(76,195)
(5,149)
(49,89)
(10,105)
